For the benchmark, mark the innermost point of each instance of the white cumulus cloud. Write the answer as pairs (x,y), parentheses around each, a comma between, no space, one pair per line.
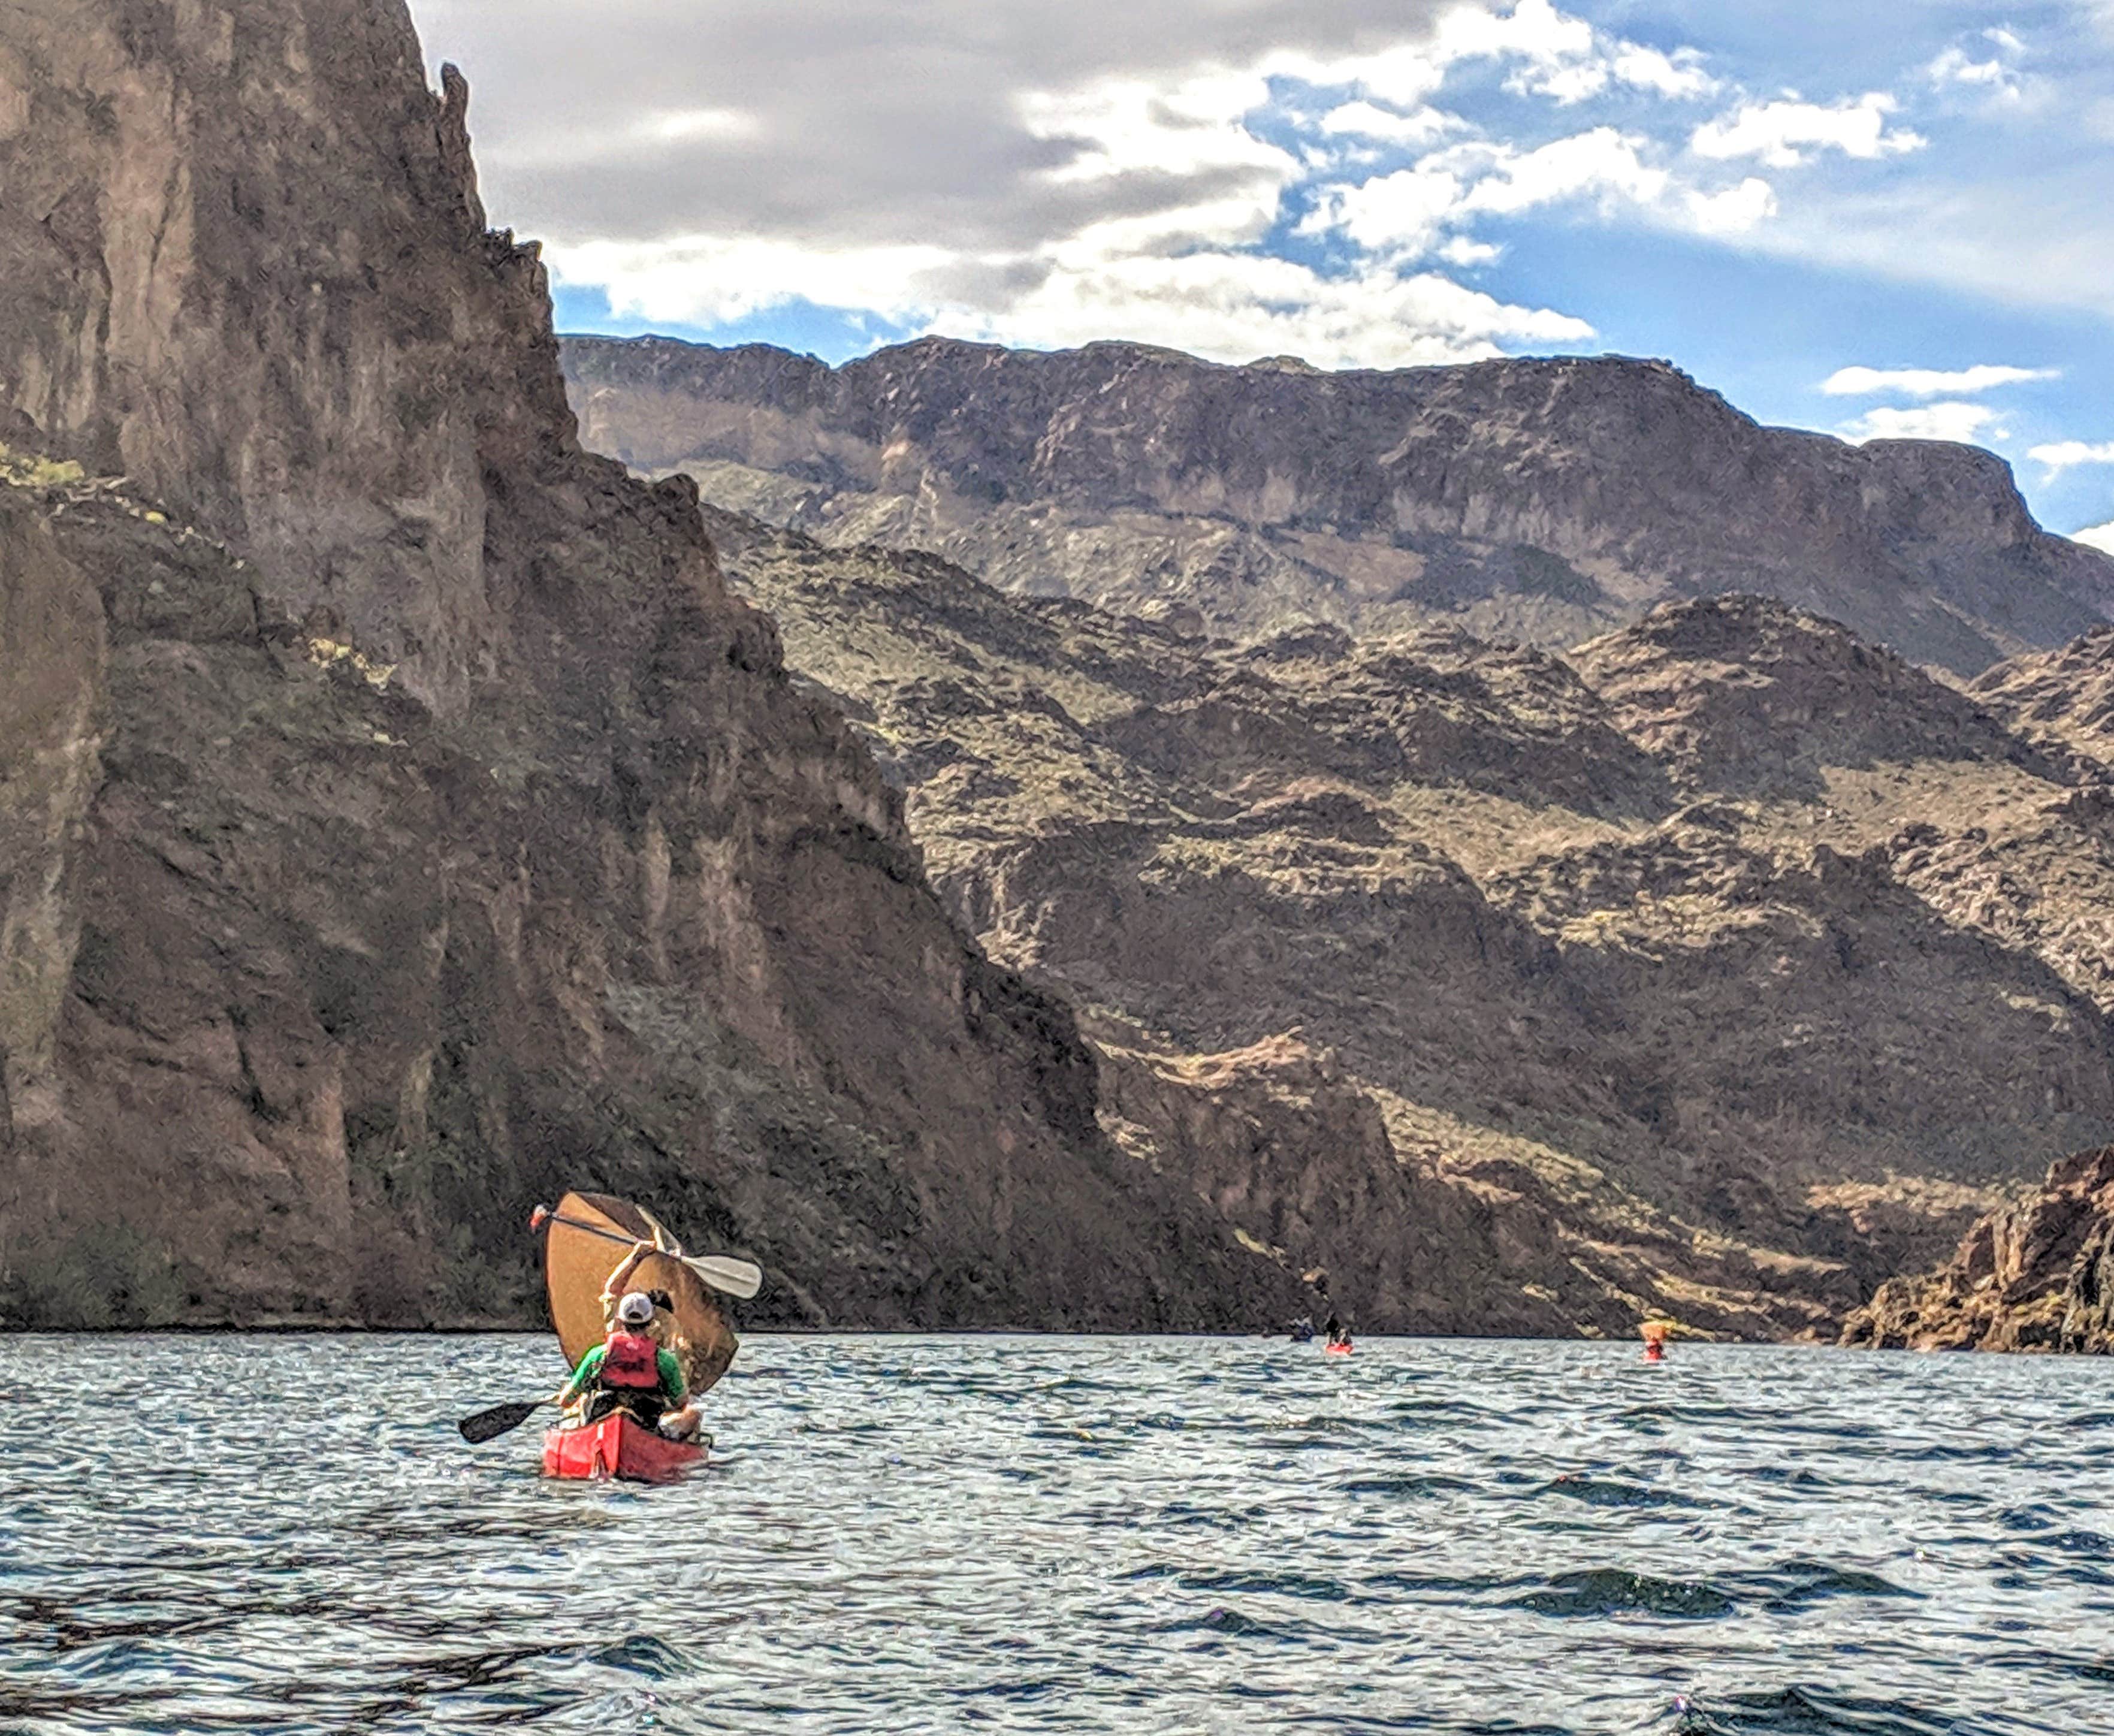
(1415,211)
(2063,454)
(1678,74)
(1366,120)
(2096,536)
(1561,56)
(1962,422)
(1235,307)
(1956,66)
(709,279)
(1404,213)
(1928,383)
(1462,251)
(1962,64)
(1603,163)
(1733,211)
(1228,305)
(1782,134)
(1186,131)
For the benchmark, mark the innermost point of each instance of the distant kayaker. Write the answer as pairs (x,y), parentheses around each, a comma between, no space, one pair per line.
(1338,1333)
(632,1370)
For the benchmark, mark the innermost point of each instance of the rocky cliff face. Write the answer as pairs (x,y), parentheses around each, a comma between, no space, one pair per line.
(400,821)
(1723,967)
(246,266)
(2037,1276)
(1543,499)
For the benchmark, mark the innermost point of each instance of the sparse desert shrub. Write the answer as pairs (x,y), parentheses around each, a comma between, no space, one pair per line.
(33,470)
(107,1277)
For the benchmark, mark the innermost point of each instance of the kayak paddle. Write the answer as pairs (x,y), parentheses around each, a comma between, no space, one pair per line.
(488,1425)
(736,1278)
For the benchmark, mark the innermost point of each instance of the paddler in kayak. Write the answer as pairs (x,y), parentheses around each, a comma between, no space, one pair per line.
(631,1370)
(682,1423)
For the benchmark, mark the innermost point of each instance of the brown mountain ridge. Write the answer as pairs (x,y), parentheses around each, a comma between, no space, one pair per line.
(1544,500)
(1726,966)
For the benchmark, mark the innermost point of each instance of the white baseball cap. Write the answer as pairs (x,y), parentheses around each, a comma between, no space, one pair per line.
(636,1308)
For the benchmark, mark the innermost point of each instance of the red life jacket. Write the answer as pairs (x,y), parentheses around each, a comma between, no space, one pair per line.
(629,1360)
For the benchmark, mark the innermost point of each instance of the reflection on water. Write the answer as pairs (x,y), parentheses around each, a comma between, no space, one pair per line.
(1065,1533)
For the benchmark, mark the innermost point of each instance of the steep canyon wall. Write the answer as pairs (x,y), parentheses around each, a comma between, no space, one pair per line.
(401,820)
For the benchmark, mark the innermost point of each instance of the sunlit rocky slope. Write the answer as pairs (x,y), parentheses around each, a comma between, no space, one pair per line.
(1727,966)
(398,821)
(2038,1274)
(1543,500)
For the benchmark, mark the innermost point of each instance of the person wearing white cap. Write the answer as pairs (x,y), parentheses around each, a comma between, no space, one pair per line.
(630,1370)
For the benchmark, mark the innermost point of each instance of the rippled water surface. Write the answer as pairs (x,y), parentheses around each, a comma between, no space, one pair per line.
(1061,1534)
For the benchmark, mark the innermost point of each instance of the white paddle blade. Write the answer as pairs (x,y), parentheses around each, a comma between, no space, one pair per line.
(735,1277)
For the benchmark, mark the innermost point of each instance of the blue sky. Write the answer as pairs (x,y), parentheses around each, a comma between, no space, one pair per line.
(1870,220)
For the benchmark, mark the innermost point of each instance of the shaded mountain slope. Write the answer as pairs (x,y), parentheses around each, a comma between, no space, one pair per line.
(1662,976)
(1541,500)
(401,821)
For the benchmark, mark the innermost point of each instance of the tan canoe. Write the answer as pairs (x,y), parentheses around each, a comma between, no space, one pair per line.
(587,1237)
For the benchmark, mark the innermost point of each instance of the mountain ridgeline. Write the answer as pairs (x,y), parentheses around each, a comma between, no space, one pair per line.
(406,814)
(1537,500)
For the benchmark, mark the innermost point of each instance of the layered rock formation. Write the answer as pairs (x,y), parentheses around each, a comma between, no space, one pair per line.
(1541,500)
(2037,1276)
(1724,967)
(400,822)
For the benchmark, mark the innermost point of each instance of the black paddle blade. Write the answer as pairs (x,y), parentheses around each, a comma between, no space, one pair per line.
(488,1425)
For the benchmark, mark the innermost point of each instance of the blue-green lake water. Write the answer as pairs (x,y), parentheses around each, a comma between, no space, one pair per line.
(202,1534)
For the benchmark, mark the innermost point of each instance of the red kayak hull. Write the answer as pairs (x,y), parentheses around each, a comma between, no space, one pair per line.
(618,1446)
(1335,1349)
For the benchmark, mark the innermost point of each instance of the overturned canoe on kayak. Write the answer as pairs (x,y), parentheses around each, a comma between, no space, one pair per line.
(596,1245)
(666,1344)
(585,1236)
(618,1446)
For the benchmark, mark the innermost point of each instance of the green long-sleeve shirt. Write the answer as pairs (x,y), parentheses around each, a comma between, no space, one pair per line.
(673,1386)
